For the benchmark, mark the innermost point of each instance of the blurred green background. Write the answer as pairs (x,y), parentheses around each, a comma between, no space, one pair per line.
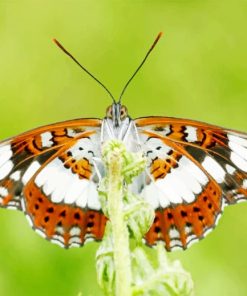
(198,71)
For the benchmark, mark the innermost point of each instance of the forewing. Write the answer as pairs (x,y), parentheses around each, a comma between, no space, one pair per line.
(49,174)
(194,170)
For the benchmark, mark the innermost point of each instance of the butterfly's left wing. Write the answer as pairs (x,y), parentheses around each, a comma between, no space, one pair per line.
(194,170)
(49,174)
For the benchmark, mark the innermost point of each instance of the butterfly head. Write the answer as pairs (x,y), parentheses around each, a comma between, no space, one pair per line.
(117,113)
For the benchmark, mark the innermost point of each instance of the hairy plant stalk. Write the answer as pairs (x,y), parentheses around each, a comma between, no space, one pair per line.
(120,235)
(121,270)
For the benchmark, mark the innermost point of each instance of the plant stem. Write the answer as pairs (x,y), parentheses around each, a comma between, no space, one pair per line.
(120,233)
(123,271)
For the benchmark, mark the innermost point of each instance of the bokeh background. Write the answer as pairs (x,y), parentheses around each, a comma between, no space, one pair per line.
(197,71)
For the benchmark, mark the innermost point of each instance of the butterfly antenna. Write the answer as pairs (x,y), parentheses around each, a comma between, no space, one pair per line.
(143,61)
(82,67)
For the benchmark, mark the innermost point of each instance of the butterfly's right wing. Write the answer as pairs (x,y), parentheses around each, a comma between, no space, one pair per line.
(194,170)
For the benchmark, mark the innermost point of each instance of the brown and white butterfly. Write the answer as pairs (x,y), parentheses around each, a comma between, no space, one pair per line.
(193,170)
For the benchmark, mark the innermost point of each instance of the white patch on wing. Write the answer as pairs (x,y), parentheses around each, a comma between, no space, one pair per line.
(241,199)
(154,148)
(158,147)
(16,176)
(175,243)
(75,245)
(76,188)
(181,184)
(210,229)
(191,239)
(58,240)
(245,184)
(191,134)
(60,230)
(23,205)
(188,229)
(12,205)
(214,169)
(154,196)
(217,219)
(239,161)
(89,197)
(85,148)
(29,220)
(173,189)
(238,149)
(58,243)
(57,181)
(75,240)
(58,237)
(63,186)
(223,204)
(93,197)
(238,140)
(194,170)
(5,154)
(230,169)
(46,139)
(71,132)
(6,169)
(238,155)
(166,130)
(75,231)
(88,236)
(89,239)
(40,232)
(3,191)
(193,176)
(32,169)
(173,233)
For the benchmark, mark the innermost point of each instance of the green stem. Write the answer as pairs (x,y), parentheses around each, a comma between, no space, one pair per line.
(120,233)
(122,271)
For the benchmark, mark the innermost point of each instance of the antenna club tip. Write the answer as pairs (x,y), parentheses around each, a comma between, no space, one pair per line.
(160,35)
(54,40)
(60,45)
(156,40)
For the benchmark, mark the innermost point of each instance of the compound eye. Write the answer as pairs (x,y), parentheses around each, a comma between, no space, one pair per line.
(109,112)
(123,112)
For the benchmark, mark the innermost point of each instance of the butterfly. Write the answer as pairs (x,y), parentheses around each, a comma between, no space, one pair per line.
(193,171)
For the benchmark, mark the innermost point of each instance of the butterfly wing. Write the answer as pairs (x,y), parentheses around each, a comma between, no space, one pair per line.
(49,174)
(194,170)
